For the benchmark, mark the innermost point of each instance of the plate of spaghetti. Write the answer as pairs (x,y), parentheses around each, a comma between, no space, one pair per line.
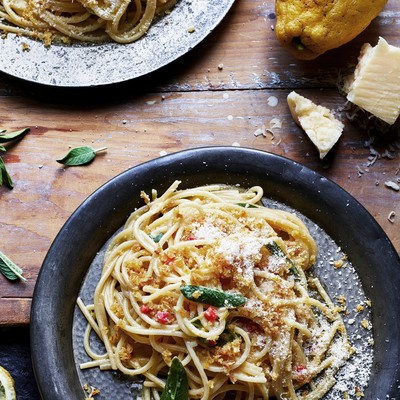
(90,43)
(218,273)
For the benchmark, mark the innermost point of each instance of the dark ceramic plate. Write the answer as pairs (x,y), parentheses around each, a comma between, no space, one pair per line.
(325,206)
(93,65)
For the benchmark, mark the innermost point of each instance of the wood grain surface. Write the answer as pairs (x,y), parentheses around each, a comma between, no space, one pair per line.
(225,91)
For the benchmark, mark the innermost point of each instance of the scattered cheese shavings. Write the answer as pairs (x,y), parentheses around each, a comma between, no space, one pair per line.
(91,391)
(318,122)
(375,85)
(260,131)
(391,216)
(366,324)
(392,185)
(359,308)
(263,131)
(275,123)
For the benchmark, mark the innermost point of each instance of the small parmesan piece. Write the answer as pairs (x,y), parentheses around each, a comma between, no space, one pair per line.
(375,85)
(392,185)
(318,122)
(366,324)
(196,294)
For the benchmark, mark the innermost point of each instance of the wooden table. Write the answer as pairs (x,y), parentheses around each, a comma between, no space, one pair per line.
(225,91)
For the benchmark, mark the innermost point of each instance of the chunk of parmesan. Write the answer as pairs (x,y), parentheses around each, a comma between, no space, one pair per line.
(318,122)
(375,85)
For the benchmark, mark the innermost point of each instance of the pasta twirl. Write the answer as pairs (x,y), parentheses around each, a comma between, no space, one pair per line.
(123,21)
(284,340)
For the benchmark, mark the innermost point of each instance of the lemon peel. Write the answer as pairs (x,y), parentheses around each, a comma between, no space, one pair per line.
(7,390)
(310,28)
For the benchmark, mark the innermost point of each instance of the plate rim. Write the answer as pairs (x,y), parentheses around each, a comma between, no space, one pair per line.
(239,157)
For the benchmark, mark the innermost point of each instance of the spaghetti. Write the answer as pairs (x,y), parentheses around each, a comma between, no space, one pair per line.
(122,21)
(210,276)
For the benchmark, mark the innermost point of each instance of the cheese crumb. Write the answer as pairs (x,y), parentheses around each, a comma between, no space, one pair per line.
(392,185)
(366,324)
(318,122)
(196,294)
(375,85)
(359,308)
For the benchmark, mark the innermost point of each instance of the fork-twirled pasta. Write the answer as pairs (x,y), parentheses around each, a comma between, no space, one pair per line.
(285,339)
(123,21)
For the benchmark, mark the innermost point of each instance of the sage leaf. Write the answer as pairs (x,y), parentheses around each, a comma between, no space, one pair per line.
(226,336)
(247,205)
(5,178)
(157,237)
(8,137)
(176,386)
(294,271)
(210,343)
(213,297)
(274,249)
(80,156)
(2,148)
(9,269)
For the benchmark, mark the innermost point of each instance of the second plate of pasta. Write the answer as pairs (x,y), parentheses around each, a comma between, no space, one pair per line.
(110,49)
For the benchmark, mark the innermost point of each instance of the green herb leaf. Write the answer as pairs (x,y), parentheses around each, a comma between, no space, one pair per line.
(294,271)
(8,137)
(177,386)
(2,148)
(5,178)
(157,237)
(247,205)
(197,323)
(274,249)
(226,336)
(213,297)
(80,156)
(9,269)
(210,343)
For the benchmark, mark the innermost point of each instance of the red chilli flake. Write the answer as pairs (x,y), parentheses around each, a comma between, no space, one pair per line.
(303,376)
(300,368)
(211,314)
(170,260)
(144,309)
(163,317)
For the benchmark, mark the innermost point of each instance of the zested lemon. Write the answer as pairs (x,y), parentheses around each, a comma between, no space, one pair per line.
(309,28)
(7,391)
